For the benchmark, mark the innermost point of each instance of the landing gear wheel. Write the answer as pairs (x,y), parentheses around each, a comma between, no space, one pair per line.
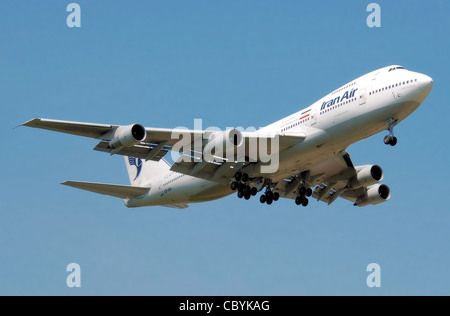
(238,176)
(276,196)
(263,199)
(308,192)
(305,202)
(254,191)
(269,194)
(246,189)
(302,191)
(269,201)
(240,194)
(387,139)
(234,186)
(393,141)
(299,200)
(247,196)
(245,177)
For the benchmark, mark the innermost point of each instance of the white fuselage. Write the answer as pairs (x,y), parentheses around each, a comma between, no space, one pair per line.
(349,114)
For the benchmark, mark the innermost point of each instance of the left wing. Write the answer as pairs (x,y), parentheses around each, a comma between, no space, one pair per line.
(154,143)
(74,128)
(132,140)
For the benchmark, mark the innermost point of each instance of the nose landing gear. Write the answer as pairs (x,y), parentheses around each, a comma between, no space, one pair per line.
(391,139)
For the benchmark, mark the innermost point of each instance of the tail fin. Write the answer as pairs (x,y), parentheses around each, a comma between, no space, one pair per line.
(142,172)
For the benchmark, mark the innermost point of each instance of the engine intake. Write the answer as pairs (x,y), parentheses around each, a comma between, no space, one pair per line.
(223,144)
(367,176)
(375,194)
(127,136)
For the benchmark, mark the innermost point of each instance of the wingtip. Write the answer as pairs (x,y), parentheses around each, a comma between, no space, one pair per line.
(27,123)
(30,123)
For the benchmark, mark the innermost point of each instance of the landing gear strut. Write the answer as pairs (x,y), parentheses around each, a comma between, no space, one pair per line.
(390,139)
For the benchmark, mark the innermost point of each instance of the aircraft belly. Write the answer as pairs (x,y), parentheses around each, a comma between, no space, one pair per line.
(210,191)
(302,158)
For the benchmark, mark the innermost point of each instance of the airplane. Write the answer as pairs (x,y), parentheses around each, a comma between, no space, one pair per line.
(312,150)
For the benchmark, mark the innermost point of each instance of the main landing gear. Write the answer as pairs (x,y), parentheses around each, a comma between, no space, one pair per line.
(304,194)
(391,139)
(269,197)
(241,185)
(244,190)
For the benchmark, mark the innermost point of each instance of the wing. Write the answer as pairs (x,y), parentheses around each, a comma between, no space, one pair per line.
(338,177)
(221,169)
(74,128)
(154,143)
(133,140)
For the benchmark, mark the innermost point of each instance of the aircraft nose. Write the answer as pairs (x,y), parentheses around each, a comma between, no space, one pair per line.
(426,83)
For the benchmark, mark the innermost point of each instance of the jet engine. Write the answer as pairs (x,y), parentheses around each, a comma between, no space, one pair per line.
(224,143)
(127,136)
(375,194)
(367,176)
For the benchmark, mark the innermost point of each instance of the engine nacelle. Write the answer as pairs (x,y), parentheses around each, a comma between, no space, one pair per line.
(223,143)
(127,136)
(367,176)
(375,194)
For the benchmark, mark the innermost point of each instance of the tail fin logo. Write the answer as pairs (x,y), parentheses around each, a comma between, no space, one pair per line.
(136,162)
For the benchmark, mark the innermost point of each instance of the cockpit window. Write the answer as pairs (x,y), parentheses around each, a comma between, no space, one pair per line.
(395,68)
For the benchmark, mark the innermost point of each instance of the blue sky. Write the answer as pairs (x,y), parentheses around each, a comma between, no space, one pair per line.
(231,63)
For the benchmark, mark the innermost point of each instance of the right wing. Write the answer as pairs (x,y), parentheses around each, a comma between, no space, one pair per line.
(338,177)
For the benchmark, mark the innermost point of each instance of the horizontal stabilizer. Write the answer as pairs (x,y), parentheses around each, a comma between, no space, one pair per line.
(120,191)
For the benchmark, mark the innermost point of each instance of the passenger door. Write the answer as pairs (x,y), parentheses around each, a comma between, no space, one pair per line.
(362,97)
